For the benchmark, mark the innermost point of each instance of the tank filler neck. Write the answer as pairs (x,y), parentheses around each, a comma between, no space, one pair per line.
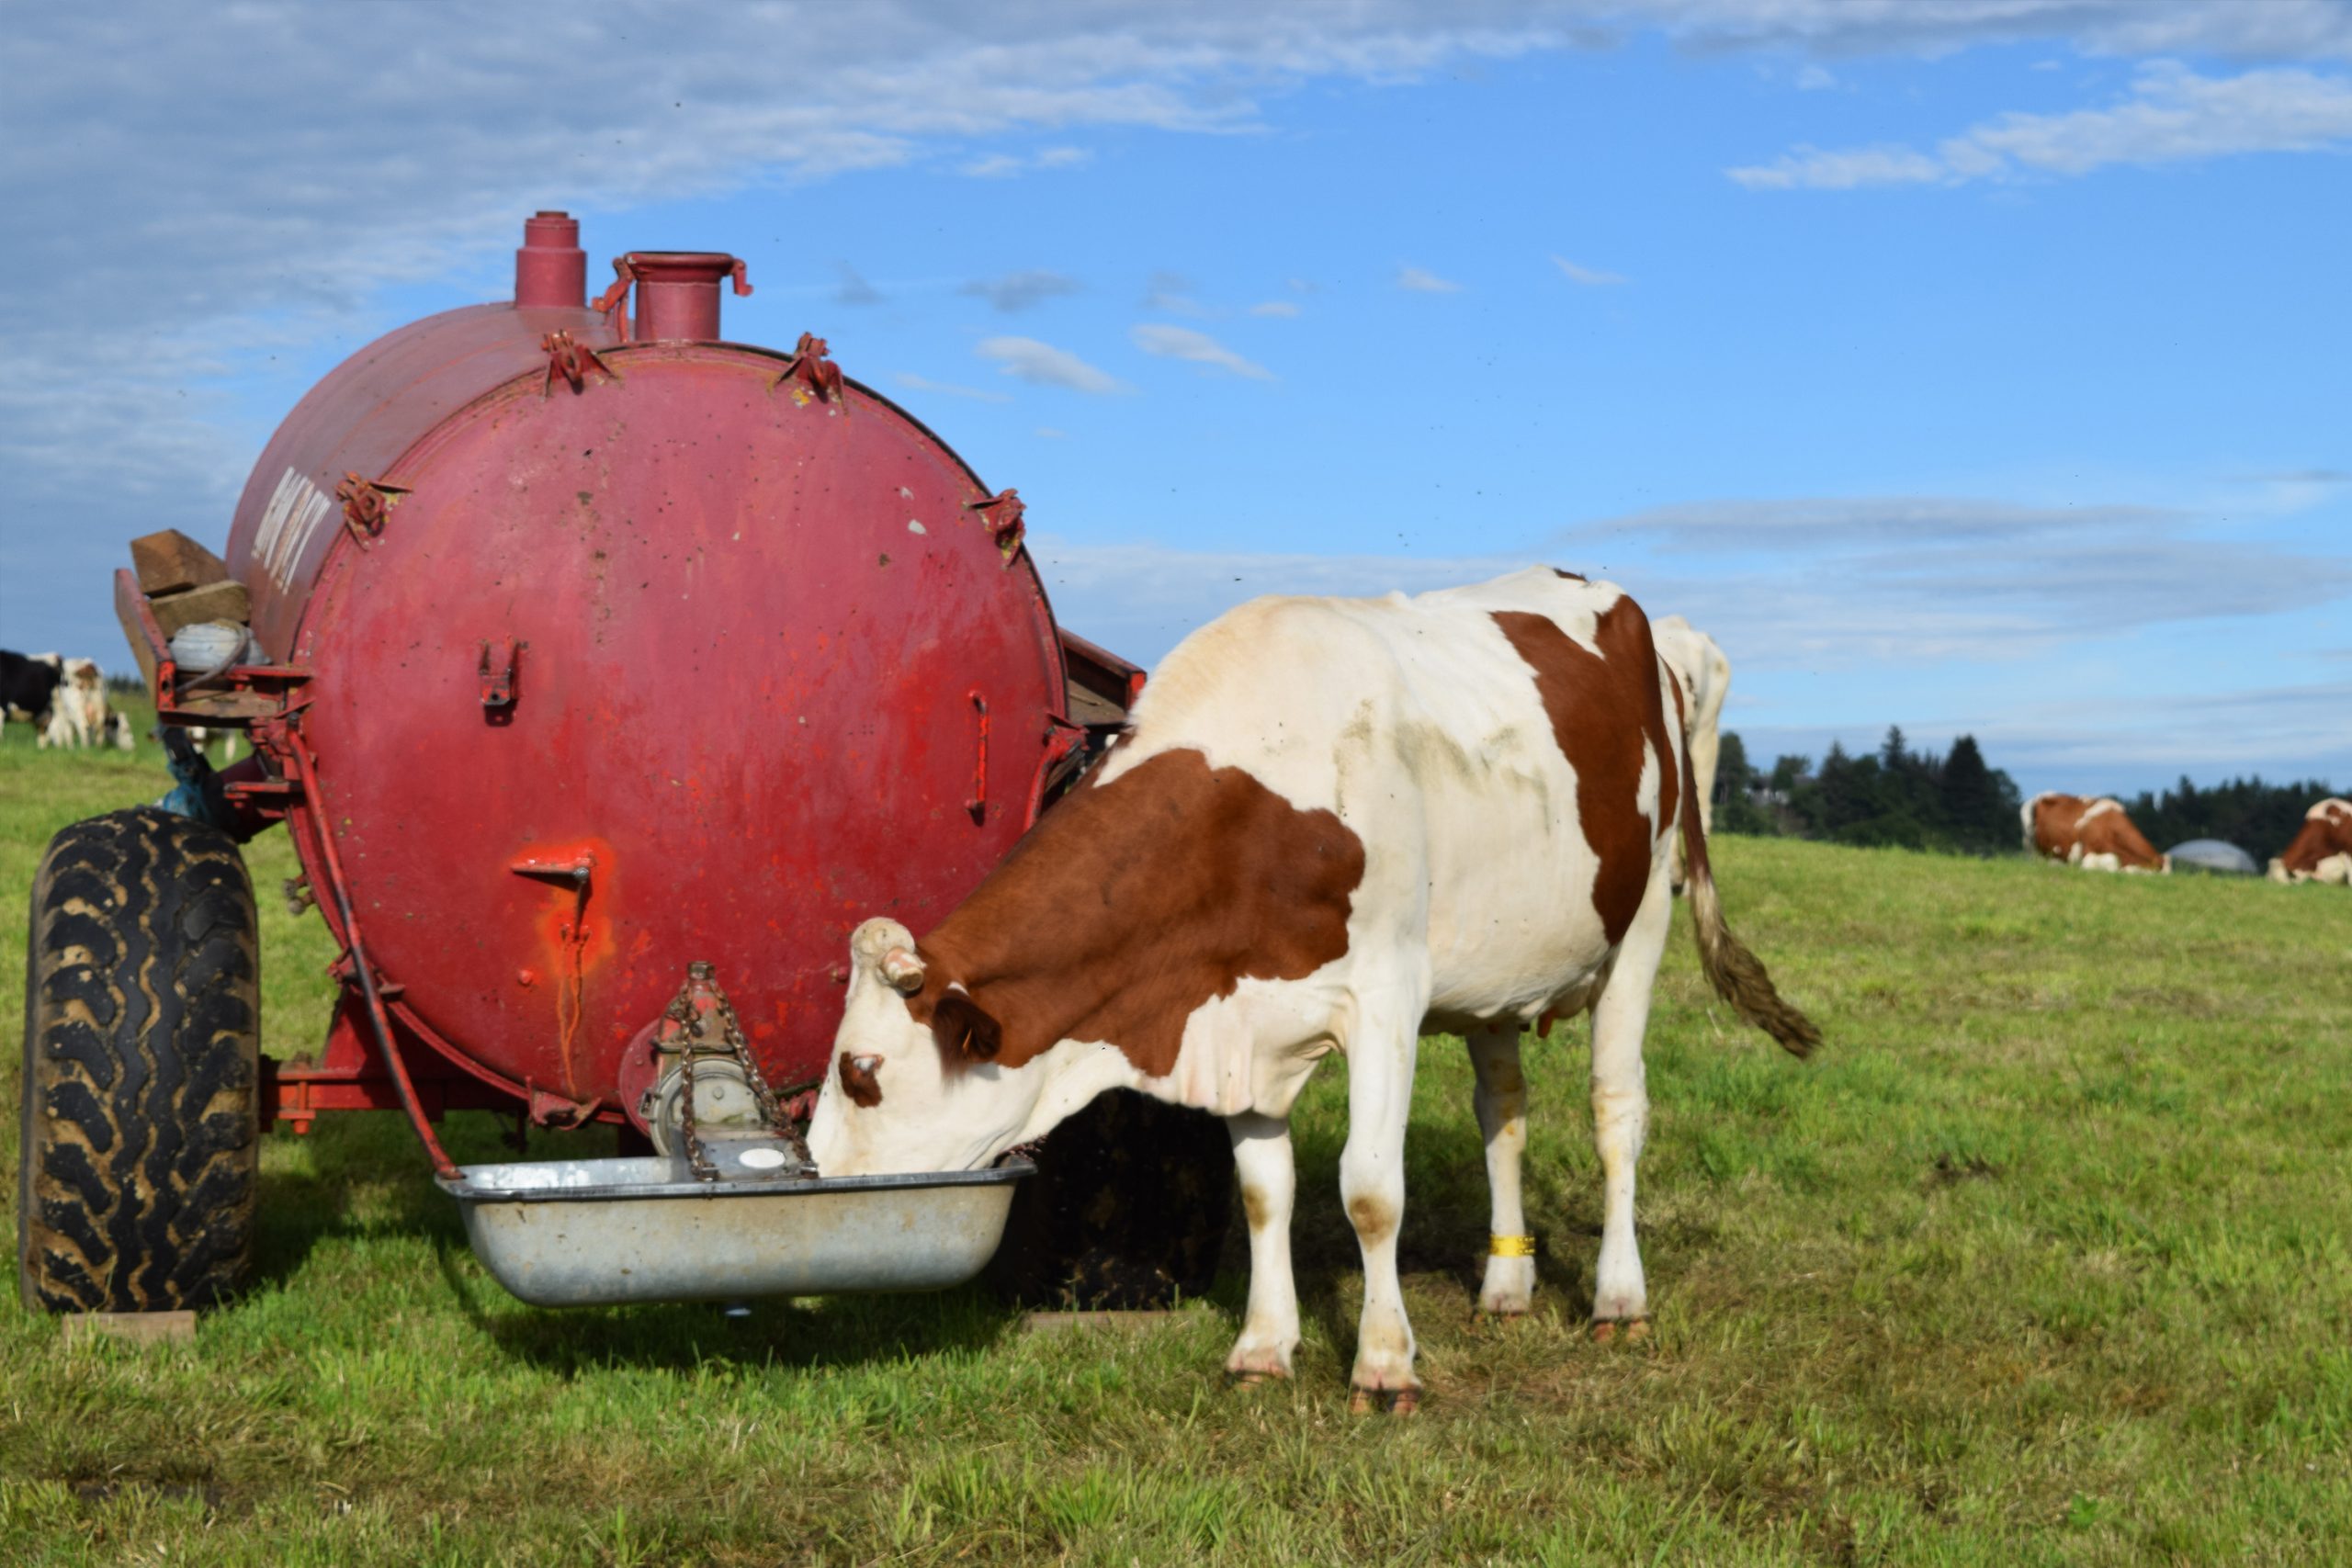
(677,293)
(550,270)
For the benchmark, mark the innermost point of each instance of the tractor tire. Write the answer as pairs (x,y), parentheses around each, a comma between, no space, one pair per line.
(1129,1210)
(142,1012)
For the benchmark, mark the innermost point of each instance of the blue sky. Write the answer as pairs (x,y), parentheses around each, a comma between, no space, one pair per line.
(1972,367)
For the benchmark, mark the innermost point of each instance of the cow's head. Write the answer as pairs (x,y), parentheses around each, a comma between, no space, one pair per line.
(914,1084)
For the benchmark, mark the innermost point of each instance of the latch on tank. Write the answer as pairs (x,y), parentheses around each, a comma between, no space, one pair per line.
(499,660)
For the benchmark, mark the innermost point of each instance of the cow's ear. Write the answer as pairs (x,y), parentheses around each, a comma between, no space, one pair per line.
(964,1029)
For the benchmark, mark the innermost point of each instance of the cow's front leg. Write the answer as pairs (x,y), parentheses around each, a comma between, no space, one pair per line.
(1502,1102)
(1262,1157)
(1372,1183)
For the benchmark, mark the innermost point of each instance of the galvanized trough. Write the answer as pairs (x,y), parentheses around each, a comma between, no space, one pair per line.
(606,1231)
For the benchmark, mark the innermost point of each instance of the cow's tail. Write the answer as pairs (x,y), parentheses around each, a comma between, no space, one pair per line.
(1737,975)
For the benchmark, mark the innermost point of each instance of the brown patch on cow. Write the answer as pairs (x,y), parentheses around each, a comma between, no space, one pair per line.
(1129,906)
(2063,821)
(2326,831)
(858,1081)
(1602,708)
(1375,1221)
(1257,1207)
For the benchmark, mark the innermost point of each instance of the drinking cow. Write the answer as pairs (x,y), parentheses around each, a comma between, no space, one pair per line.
(1448,813)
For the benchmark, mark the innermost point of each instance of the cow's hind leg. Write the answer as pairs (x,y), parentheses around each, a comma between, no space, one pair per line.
(1372,1183)
(1501,1101)
(1262,1157)
(1620,1112)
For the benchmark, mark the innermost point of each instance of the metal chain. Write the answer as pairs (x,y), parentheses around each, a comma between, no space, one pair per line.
(681,1012)
(691,1044)
(771,1108)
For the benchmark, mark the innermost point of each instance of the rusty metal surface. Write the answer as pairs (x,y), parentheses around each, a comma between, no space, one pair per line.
(358,420)
(604,1232)
(762,632)
(725,626)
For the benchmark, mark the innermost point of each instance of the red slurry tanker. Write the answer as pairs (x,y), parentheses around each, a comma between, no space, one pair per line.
(605,674)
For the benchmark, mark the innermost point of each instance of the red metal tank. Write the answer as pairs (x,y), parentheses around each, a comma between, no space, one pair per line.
(629,648)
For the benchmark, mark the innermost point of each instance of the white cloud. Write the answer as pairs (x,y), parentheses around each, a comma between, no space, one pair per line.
(1043,365)
(1420,282)
(2171,115)
(1003,165)
(1839,584)
(1050,433)
(915,383)
(1591,277)
(1018,291)
(1172,294)
(1814,77)
(854,289)
(1199,348)
(1283,308)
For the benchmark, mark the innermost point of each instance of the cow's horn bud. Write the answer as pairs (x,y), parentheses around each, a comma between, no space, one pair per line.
(876,937)
(903,970)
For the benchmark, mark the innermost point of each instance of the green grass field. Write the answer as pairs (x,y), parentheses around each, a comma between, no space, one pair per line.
(2047,1257)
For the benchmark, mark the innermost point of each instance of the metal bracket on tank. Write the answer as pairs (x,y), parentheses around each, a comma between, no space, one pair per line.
(365,505)
(808,367)
(573,360)
(1001,515)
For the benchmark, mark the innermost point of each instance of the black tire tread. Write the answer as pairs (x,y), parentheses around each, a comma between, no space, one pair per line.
(142,1012)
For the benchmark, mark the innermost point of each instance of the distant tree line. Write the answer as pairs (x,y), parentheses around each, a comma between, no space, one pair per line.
(1957,803)
(2258,817)
(1895,795)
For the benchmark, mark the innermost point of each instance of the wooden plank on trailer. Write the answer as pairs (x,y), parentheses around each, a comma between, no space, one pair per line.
(171,562)
(213,601)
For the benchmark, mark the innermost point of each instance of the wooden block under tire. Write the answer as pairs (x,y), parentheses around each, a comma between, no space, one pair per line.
(138,1327)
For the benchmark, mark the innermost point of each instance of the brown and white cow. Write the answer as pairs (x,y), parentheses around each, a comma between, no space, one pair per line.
(1697,661)
(2322,851)
(1450,813)
(2093,834)
(77,713)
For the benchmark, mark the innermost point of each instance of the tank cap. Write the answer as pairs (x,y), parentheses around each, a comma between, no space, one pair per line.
(677,293)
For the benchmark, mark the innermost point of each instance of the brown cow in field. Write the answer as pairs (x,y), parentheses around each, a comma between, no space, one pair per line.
(2093,834)
(2322,850)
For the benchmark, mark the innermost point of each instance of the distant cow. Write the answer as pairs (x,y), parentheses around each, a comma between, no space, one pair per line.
(1451,814)
(118,734)
(2093,834)
(1705,674)
(204,738)
(77,713)
(28,686)
(2322,851)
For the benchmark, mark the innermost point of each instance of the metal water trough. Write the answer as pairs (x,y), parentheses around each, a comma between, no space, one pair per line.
(607,1232)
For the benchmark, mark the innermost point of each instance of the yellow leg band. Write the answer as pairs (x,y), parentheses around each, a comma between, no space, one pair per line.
(1510,1247)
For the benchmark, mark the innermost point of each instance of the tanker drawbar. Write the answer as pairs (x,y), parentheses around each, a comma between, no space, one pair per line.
(604,673)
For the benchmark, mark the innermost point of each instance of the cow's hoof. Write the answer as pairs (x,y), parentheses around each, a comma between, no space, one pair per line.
(1632,1331)
(1394,1400)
